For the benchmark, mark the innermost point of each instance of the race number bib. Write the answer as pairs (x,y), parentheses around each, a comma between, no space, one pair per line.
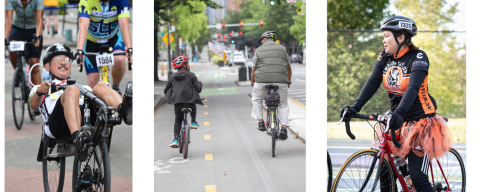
(17,46)
(104,60)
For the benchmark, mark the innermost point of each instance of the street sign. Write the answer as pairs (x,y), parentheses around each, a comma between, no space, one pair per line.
(160,34)
(277,41)
(236,34)
(218,26)
(165,39)
(224,57)
(180,41)
(291,1)
(172,28)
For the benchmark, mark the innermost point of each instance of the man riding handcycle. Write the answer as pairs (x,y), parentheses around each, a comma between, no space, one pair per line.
(62,104)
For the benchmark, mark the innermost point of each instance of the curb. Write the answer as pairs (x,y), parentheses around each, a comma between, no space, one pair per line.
(157,100)
(295,122)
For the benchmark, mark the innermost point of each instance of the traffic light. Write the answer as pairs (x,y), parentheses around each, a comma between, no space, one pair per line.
(261,24)
(230,34)
(241,25)
(273,3)
(224,36)
(219,35)
(218,39)
(233,41)
(241,33)
(223,26)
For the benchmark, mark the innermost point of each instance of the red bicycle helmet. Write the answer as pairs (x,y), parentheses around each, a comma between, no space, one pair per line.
(179,61)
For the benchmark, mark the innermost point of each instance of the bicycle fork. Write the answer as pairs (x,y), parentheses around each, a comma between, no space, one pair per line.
(370,171)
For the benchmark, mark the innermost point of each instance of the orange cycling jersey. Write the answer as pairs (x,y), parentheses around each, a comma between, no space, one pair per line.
(405,77)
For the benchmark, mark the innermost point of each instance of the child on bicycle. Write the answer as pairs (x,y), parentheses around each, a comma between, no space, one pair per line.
(182,91)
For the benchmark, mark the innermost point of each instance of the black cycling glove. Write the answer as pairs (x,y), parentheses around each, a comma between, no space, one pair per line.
(37,38)
(396,122)
(129,52)
(350,111)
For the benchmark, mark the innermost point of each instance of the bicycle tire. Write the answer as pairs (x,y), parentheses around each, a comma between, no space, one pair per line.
(18,98)
(31,113)
(180,141)
(186,141)
(454,169)
(53,172)
(345,171)
(329,179)
(100,172)
(274,139)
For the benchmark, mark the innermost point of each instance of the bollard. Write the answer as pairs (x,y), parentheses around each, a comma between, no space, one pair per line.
(68,35)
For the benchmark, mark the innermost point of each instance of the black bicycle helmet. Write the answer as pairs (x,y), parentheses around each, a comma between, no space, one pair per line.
(269,34)
(57,49)
(397,24)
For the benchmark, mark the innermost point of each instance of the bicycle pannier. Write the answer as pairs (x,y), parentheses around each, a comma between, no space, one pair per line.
(272,99)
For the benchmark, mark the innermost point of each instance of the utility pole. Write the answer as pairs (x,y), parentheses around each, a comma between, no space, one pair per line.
(169,42)
(177,49)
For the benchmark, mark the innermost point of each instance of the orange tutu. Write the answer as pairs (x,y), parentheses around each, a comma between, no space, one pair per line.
(430,136)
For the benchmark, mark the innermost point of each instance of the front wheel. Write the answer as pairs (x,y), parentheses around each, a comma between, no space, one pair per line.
(94,173)
(453,168)
(53,171)
(329,179)
(18,104)
(360,170)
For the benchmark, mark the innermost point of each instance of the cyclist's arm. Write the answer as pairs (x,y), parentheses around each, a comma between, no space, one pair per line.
(372,85)
(289,69)
(254,68)
(83,23)
(168,86)
(124,28)
(8,18)
(34,99)
(197,84)
(40,10)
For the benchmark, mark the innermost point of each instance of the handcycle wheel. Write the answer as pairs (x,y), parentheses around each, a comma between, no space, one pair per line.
(454,169)
(31,113)
(274,140)
(329,180)
(354,173)
(53,170)
(18,104)
(186,140)
(95,169)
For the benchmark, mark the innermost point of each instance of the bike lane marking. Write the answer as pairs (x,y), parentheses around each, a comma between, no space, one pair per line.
(207,137)
(210,188)
(208,157)
(206,123)
(206,113)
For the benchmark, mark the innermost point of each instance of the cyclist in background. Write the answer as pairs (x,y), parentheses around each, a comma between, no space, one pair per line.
(64,117)
(52,10)
(25,25)
(182,91)
(271,66)
(403,69)
(104,22)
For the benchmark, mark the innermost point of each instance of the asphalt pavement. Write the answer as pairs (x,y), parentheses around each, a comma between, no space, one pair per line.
(227,152)
(24,173)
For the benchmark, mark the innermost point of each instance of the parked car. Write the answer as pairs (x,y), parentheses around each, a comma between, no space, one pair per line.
(296,58)
(238,58)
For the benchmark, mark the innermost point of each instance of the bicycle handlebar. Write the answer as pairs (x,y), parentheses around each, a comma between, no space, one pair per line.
(80,60)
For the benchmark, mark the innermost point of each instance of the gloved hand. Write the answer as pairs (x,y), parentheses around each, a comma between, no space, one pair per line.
(350,111)
(79,56)
(396,122)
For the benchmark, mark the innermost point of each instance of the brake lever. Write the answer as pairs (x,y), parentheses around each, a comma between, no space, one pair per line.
(343,116)
(389,117)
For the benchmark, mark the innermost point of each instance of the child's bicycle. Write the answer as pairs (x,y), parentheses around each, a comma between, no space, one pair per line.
(362,170)
(104,59)
(184,138)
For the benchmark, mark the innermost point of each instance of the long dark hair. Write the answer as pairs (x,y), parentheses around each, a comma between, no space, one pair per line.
(411,46)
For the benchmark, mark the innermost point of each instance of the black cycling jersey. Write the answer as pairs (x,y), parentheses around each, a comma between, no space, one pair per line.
(406,80)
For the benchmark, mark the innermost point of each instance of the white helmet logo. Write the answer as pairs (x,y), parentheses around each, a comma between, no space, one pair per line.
(420,55)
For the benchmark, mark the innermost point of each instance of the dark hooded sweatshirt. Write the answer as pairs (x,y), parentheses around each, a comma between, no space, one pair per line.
(183,87)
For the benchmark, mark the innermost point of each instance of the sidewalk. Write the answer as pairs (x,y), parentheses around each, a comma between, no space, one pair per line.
(159,86)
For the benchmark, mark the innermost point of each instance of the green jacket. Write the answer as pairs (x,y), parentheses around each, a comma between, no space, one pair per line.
(272,63)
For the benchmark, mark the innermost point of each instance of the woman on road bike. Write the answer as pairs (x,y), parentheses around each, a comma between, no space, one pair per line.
(25,25)
(182,91)
(403,69)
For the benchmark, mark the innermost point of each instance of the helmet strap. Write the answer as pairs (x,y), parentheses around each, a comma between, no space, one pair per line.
(399,45)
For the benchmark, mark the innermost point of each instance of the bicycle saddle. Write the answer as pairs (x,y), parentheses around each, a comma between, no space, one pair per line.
(186,110)
(271,87)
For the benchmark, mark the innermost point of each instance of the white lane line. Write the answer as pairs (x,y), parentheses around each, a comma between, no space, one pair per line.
(159,87)
(301,80)
(296,93)
(267,181)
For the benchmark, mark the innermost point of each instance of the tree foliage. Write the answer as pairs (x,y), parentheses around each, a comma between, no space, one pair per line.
(356,14)
(161,7)
(299,29)
(351,55)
